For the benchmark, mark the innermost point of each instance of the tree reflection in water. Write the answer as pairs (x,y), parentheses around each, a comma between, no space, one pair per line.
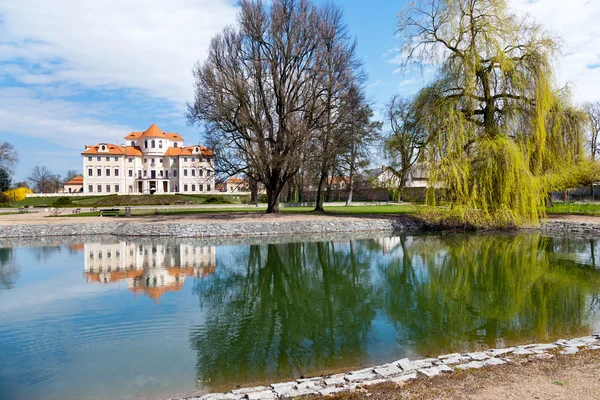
(9,273)
(306,308)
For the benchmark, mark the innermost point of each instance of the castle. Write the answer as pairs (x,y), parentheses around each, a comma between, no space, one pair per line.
(149,162)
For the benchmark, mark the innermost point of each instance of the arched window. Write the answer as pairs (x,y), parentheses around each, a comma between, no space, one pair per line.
(153,143)
(132,143)
(145,143)
(160,144)
(175,144)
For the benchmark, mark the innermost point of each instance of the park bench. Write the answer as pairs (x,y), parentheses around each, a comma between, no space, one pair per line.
(93,209)
(77,211)
(23,210)
(110,212)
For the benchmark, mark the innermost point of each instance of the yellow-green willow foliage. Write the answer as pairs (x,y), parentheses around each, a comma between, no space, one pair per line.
(501,133)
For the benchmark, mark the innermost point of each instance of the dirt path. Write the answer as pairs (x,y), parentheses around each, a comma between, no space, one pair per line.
(571,377)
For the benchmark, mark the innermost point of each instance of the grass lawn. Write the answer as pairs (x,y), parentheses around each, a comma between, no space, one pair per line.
(574,208)
(124,200)
(334,210)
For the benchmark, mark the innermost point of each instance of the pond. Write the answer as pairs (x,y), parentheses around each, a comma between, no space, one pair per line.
(157,318)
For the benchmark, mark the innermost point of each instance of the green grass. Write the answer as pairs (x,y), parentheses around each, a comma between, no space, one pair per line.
(126,200)
(592,209)
(332,210)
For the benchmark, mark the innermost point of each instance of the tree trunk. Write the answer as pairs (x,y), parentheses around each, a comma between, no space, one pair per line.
(319,199)
(350,186)
(253,191)
(273,191)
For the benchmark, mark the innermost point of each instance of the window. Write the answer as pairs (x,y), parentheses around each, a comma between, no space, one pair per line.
(208,188)
(161,173)
(153,145)
(173,160)
(91,188)
(99,188)
(200,172)
(174,173)
(160,161)
(193,172)
(107,188)
(98,158)
(107,158)
(116,188)
(145,144)
(145,160)
(116,158)
(184,159)
(175,144)
(200,187)
(193,188)
(152,161)
(185,188)
(90,172)
(208,171)
(175,188)
(99,172)
(130,189)
(90,158)
(185,172)
(116,171)
(130,159)
(145,173)
(132,143)
(160,144)
(166,174)
(131,173)
(139,174)
(193,159)
(107,171)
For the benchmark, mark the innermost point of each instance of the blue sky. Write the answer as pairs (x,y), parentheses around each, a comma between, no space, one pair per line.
(76,72)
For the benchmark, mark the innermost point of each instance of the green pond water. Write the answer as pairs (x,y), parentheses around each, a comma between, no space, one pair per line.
(159,318)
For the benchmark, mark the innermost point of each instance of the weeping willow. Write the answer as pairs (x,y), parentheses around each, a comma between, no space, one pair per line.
(502,134)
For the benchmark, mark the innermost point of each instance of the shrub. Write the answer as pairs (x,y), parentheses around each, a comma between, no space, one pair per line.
(216,200)
(17,194)
(62,202)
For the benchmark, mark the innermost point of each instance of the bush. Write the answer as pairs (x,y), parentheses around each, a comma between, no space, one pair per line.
(216,200)
(17,194)
(62,202)
(4,198)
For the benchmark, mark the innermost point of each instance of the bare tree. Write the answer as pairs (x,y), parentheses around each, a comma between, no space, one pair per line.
(339,68)
(9,158)
(72,173)
(42,180)
(361,131)
(404,145)
(255,95)
(593,112)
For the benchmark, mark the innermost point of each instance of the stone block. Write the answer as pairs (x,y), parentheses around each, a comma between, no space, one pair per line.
(569,350)
(470,365)
(337,379)
(404,378)
(478,356)
(494,361)
(263,395)
(455,360)
(434,371)
(249,390)
(362,375)
(388,370)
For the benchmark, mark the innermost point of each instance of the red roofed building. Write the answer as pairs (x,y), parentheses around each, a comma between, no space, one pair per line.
(149,162)
(236,185)
(75,185)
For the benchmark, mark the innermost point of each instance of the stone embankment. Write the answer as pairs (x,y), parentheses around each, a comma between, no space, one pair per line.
(565,226)
(209,229)
(404,370)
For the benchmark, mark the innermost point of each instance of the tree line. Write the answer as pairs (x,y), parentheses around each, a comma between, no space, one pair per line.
(281,95)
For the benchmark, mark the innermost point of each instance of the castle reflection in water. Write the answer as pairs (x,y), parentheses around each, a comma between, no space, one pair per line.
(148,268)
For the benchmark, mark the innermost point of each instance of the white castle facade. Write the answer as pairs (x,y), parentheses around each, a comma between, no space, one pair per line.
(150,162)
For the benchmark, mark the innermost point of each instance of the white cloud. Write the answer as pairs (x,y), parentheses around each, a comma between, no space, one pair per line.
(575,22)
(150,46)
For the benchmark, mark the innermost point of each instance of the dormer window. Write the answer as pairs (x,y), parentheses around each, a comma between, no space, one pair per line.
(103,147)
(153,143)
(196,149)
(132,143)
(175,144)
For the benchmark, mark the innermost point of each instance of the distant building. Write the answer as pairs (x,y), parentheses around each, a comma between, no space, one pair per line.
(385,177)
(235,185)
(149,162)
(150,268)
(75,185)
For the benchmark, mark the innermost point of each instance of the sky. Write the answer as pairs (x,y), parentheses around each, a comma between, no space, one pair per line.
(77,72)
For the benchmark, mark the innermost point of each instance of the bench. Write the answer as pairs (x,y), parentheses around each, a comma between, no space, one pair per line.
(93,209)
(77,211)
(23,210)
(110,212)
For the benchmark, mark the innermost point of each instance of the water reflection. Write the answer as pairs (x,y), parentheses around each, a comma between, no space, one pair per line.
(9,272)
(148,268)
(302,307)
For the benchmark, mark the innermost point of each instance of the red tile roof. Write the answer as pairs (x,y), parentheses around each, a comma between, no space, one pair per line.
(113,149)
(77,180)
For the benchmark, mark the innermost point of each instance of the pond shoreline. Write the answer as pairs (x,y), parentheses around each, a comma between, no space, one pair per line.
(251,225)
(403,371)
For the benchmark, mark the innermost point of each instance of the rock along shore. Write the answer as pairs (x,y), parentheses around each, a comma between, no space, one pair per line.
(405,370)
(207,229)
